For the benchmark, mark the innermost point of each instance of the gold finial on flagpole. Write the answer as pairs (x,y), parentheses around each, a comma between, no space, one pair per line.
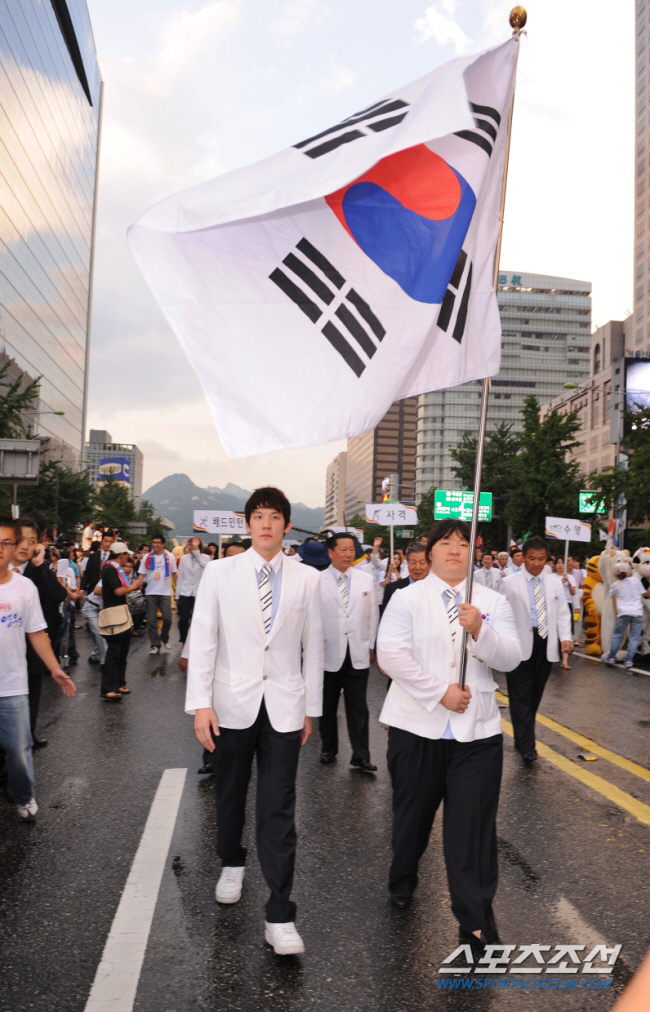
(518,18)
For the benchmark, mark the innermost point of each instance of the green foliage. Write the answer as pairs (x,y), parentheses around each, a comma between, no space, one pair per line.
(499,455)
(65,497)
(147,514)
(114,506)
(425,514)
(14,400)
(544,482)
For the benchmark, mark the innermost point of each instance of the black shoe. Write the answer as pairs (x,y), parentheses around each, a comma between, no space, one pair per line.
(206,768)
(529,757)
(364,765)
(38,742)
(477,943)
(327,757)
(93,660)
(401,902)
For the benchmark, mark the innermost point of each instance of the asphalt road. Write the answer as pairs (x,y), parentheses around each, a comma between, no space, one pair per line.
(573,861)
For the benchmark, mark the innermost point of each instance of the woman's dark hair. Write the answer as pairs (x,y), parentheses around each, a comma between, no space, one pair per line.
(268,498)
(536,544)
(444,529)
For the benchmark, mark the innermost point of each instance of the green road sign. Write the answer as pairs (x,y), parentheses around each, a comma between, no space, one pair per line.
(588,501)
(458,505)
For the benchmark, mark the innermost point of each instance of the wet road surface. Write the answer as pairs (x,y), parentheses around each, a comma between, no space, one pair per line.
(573,861)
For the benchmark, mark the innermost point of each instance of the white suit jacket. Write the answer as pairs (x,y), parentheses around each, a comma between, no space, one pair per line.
(356,628)
(190,571)
(515,589)
(415,648)
(497,579)
(233,665)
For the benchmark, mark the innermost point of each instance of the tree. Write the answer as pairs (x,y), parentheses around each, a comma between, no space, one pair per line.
(501,447)
(147,515)
(545,483)
(113,505)
(15,399)
(64,496)
(425,514)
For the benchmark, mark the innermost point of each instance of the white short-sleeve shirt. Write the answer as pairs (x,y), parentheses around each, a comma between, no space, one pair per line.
(20,613)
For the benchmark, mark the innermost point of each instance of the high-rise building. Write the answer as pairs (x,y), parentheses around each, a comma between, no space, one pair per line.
(50,101)
(387,449)
(121,460)
(335,491)
(640,337)
(546,325)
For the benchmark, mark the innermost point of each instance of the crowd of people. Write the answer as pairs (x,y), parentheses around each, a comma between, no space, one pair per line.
(271,638)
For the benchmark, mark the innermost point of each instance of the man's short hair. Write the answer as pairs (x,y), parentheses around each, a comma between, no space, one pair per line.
(12,525)
(444,529)
(333,541)
(268,498)
(535,544)
(28,522)
(213,544)
(232,544)
(158,537)
(514,550)
(415,550)
(41,521)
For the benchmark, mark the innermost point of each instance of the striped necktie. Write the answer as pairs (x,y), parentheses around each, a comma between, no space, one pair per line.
(452,613)
(266,596)
(488,577)
(344,591)
(540,607)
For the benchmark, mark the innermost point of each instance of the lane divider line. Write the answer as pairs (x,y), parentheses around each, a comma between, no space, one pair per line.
(118,974)
(598,660)
(589,745)
(638,809)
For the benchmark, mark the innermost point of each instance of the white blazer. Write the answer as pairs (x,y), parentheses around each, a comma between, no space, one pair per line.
(515,588)
(415,648)
(356,628)
(190,571)
(497,579)
(233,665)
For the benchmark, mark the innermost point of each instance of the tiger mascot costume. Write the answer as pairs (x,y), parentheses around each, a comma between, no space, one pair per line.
(593,594)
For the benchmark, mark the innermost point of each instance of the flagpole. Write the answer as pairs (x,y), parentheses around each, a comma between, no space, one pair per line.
(518,18)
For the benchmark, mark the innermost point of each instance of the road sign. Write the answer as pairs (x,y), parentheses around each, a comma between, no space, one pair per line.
(567,529)
(219,522)
(587,503)
(459,505)
(385,514)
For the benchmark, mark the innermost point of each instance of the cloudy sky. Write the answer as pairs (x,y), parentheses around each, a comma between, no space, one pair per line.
(198,88)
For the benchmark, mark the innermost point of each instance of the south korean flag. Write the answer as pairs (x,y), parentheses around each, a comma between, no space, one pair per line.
(313,289)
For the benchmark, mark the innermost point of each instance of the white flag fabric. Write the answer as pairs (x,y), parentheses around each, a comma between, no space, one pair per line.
(313,289)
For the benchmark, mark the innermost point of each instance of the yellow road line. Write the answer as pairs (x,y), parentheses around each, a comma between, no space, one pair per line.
(589,745)
(636,808)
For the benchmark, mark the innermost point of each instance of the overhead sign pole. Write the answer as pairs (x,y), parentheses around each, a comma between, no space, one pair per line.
(518,18)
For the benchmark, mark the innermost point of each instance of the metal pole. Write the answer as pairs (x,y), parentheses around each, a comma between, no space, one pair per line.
(518,19)
(392,550)
(566,554)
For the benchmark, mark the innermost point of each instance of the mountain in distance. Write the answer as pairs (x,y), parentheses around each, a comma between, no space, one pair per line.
(176,497)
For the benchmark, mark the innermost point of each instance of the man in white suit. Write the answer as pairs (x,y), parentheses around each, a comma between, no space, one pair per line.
(538,603)
(445,742)
(255,680)
(350,626)
(489,575)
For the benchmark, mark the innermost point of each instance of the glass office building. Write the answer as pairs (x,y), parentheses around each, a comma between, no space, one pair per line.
(50,107)
(546,328)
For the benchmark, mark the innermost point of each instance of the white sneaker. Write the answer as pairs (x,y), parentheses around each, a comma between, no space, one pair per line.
(164,649)
(154,650)
(284,938)
(229,886)
(27,813)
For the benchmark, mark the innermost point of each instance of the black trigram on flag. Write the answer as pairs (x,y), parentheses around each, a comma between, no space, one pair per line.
(316,287)
(487,121)
(454,304)
(377,117)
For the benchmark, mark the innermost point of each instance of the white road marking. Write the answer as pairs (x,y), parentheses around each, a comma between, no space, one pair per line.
(578,930)
(617,667)
(116,980)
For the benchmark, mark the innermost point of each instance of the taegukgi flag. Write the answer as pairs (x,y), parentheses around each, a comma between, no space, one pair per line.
(311,290)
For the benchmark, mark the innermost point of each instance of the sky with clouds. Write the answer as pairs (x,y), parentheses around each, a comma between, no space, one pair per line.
(195,89)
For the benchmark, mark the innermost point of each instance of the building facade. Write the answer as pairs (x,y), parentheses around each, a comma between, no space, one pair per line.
(50,102)
(122,460)
(639,338)
(335,491)
(388,449)
(546,325)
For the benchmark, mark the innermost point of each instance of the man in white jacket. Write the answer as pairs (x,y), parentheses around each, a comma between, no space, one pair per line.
(350,627)
(445,742)
(255,680)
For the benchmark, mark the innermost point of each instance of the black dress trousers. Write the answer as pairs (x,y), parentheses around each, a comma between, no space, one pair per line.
(114,667)
(277,754)
(466,776)
(354,682)
(526,686)
(185,610)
